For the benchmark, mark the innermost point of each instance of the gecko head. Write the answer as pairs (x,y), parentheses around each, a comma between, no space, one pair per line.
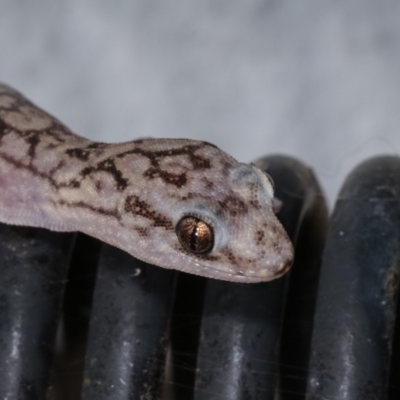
(230,232)
(200,211)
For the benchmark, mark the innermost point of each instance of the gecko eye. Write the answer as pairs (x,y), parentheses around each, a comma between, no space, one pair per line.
(195,235)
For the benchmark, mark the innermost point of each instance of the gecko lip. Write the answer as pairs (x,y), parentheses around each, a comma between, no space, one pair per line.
(251,276)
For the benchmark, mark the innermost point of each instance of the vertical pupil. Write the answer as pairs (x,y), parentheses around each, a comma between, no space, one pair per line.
(194,237)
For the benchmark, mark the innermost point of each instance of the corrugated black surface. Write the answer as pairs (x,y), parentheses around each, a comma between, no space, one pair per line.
(229,341)
(358,291)
(128,336)
(33,271)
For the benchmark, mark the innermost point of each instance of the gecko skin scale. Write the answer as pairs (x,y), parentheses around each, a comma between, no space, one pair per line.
(174,203)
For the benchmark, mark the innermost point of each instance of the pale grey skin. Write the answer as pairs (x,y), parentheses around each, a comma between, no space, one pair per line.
(132,195)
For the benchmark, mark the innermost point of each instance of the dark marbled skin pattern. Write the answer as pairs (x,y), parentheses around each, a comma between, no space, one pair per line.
(133,194)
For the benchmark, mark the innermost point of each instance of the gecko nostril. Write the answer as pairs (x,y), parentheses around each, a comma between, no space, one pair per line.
(195,235)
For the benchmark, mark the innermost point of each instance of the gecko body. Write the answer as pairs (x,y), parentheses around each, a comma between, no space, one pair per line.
(174,203)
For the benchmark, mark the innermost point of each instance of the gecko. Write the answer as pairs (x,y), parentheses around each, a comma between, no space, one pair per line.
(174,203)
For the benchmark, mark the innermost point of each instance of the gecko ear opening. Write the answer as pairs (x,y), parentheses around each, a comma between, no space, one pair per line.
(195,235)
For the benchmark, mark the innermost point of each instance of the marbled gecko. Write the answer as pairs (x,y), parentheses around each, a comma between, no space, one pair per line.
(174,203)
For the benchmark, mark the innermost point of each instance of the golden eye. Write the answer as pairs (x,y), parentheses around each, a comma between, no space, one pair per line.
(195,235)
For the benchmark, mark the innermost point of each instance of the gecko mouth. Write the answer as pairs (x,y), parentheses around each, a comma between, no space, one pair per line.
(264,275)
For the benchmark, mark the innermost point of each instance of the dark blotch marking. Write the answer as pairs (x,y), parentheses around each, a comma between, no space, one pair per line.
(260,236)
(80,154)
(189,196)
(230,256)
(203,257)
(74,184)
(99,210)
(84,153)
(60,165)
(233,206)
(34,171)
(143,232)
(97,145)
(33,140)
(255,203)
(254,200)
(109,167)
(51,146)
(155,157)
(173,179)
(277,246)
(99,185)
(134,205)
(4,129)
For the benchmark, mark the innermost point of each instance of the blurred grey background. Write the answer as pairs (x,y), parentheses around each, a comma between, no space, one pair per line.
(316,79)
